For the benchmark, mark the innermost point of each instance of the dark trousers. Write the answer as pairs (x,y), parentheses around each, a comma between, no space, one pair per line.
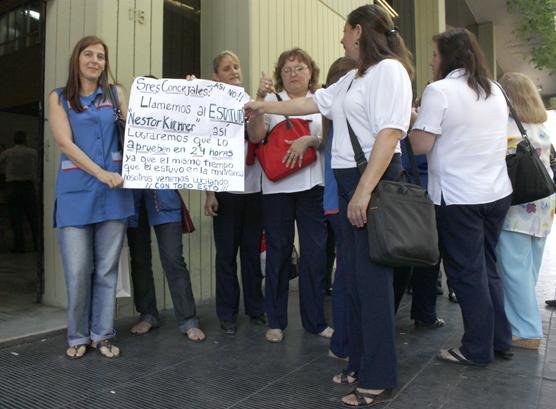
(423,282)
(330,253)
(468,236)
(339,344)
(281,212)
(22,205)
(169,238)
(238,226)
(371,297)
(423,304)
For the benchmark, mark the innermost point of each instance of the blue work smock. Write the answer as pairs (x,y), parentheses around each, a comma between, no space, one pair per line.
(330,199)
(420,160)
(162,206)
(81,199)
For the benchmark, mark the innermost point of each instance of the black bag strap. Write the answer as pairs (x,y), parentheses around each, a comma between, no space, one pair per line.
(361,160)
(115,102)
(288,122)
(514,115)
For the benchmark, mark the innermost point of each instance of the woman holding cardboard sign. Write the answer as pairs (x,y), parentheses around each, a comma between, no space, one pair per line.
(90,209)
(237,226)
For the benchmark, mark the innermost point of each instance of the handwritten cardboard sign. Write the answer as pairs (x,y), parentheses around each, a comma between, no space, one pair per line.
(184,135)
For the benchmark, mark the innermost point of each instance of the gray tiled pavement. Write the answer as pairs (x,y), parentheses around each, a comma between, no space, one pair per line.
(164,370)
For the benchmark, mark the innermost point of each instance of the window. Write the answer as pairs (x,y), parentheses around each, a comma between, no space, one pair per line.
(19,28)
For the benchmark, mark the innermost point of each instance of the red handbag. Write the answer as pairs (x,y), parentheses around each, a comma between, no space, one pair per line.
(273,148)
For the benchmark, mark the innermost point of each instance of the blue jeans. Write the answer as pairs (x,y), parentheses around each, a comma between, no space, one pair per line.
(90,256)
(169,238)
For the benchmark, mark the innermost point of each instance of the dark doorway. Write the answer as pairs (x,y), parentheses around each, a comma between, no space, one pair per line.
(21,153)
(182,38)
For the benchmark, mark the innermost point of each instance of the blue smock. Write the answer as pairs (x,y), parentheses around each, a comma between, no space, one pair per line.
(81,199)
(163,206)
(422,165)
(330,200)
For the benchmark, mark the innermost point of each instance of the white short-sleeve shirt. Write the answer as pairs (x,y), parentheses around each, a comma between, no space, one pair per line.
(467,163)
(377,100)
(303,179)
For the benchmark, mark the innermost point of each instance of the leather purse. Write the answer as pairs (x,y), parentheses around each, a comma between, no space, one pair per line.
(530,179)
(401,219)
(273,148)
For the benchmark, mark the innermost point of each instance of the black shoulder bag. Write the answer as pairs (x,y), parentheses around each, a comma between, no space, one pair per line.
(401,220)
(529,177)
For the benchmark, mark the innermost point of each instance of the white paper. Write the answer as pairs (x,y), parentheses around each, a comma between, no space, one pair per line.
(184,135)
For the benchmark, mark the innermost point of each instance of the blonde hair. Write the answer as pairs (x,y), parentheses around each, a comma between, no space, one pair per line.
(525,98)
(218,59)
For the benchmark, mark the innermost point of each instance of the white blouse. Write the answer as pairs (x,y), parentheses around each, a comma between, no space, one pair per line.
(305,178)
(252,178)
(377,100)
(467,163)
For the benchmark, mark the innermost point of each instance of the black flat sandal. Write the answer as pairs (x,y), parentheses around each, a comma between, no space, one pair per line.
(361,398)
(344,378)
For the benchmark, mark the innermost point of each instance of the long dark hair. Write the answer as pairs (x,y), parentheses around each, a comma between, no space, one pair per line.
(73,84)
(337,70)
(459,48)
(379,38)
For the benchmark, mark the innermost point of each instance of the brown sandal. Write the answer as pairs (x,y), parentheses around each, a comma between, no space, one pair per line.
(79,351)
(106,349)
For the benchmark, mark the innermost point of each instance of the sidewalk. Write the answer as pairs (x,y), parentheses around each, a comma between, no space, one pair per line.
(164,370)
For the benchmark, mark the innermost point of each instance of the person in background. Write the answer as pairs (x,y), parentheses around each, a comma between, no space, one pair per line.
(296,199)
(91,209)
(423,280)
(521,244)
(462,127)
(20,169)
(237,225)
(376,99)
(339,343)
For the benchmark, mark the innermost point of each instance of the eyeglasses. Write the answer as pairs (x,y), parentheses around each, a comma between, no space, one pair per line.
(298,69)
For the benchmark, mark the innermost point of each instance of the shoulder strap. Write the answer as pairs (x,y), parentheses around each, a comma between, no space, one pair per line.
(512,112)
(115,101)
(361,160)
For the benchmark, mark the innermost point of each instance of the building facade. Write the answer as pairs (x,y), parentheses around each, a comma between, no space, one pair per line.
(172,38)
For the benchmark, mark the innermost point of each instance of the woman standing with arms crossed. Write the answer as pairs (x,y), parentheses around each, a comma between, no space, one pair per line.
(90,209)
(376,99)
(237,224)
(462,128)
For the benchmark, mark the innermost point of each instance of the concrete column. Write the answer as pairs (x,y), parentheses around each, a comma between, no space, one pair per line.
(485,35)
(430,19)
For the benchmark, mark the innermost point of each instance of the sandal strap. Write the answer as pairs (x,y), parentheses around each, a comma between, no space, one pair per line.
(360,397)
(458,357)
(345,375)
